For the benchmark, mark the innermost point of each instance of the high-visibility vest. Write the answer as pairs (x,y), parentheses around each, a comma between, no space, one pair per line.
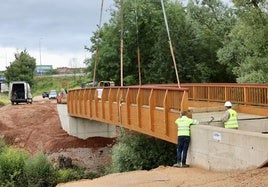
(184,124)
(232,122)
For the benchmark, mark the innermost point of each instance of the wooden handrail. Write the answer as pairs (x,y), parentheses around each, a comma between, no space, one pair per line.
(153,109)
(244,94)
(149,110)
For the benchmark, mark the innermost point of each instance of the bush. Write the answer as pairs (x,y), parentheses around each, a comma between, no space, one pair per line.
(39,171)
(71,174)
(140,152)
(91,175)
(12,167)
(4,100)
(3,145)
(17,168)
(66,175)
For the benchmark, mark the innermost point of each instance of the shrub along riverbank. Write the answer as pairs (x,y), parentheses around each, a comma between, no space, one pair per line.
(18,168)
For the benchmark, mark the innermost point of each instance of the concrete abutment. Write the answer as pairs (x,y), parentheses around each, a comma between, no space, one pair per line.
(84,128)
(212,146)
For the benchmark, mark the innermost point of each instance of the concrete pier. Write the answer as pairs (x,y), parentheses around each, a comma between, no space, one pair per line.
(84,128)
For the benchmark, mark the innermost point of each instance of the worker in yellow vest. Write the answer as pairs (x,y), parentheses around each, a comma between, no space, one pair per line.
(230,117)
(184,123)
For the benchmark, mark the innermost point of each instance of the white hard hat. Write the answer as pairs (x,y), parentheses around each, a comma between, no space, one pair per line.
(227,104)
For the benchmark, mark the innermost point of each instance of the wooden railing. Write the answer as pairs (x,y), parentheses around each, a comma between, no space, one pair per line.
(244,94)
(148,110)
(152,110)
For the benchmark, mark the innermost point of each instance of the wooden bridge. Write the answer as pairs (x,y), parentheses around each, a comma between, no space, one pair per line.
(152,109)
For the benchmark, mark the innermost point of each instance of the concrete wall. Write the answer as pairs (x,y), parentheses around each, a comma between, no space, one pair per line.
(247,122)
(220,149)
(64,117)
(260,125)
(84,128)
(212,146)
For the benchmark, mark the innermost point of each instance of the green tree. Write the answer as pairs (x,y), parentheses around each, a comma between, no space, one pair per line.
(135,151)
(246,47)
(213,21)
(144,27)
(108,54)
(21,69)
(197,32)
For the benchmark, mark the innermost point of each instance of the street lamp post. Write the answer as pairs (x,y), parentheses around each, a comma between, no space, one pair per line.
(40,51)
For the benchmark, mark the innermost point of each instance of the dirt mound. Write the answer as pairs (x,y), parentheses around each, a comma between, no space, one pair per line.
(36,127)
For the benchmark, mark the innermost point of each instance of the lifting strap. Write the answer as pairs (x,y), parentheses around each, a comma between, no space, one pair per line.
(97,50)
(121,42)
(138,46)
(170,44)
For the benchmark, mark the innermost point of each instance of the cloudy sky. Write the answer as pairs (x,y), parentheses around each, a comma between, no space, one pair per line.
(55,30)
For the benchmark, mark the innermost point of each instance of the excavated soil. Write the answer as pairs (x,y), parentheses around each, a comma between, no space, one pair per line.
(36,127)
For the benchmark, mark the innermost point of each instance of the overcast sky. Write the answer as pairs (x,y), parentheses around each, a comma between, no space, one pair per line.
(56,29)
(54,32)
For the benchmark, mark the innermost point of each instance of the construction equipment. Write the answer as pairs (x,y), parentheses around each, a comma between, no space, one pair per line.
(212,118)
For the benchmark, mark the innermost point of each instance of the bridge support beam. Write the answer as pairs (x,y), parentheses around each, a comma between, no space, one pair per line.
(84,128)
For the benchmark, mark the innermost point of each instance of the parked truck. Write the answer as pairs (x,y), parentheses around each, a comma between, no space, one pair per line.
(20,92)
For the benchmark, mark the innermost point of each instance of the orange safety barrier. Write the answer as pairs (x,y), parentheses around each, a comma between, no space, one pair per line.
(148,110)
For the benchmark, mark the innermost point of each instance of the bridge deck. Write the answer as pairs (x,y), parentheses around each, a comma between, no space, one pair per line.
(152,110)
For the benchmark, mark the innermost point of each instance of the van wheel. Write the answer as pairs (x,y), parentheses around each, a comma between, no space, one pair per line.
(12,103)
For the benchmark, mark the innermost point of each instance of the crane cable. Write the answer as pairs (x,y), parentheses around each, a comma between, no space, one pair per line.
(170,44)
(121,42)
(97,50)
(138,46)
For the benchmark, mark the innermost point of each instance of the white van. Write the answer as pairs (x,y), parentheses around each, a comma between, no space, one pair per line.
(20,92)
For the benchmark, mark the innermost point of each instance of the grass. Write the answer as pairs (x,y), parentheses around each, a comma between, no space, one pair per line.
(47,83)
(4,99)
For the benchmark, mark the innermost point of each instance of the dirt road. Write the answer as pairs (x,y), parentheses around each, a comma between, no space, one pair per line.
(178,177)
(36,127)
